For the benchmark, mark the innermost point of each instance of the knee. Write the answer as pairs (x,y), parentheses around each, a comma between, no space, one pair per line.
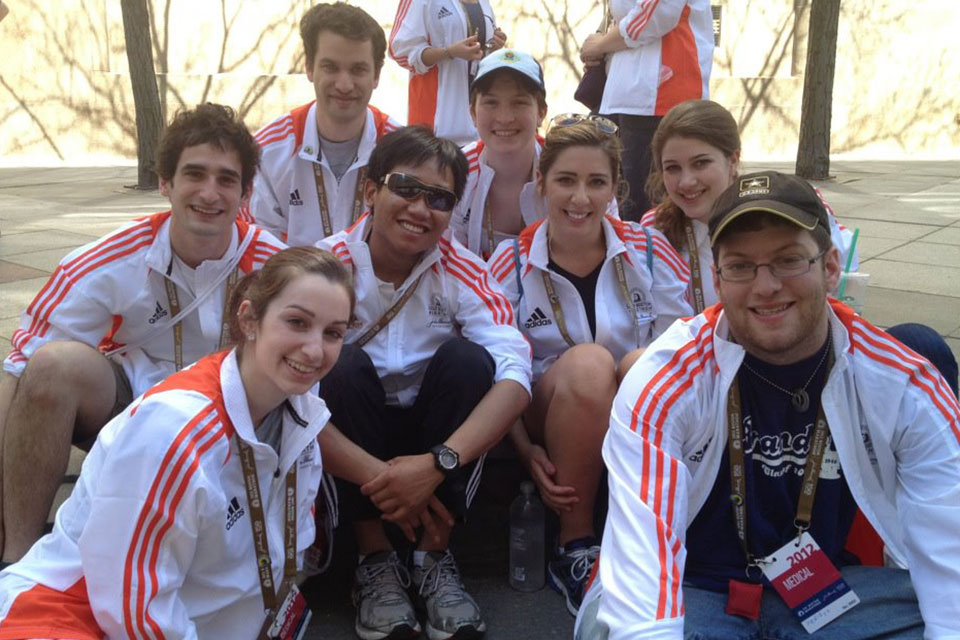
(352,366)
(587,374)
(54,370)
(464,361)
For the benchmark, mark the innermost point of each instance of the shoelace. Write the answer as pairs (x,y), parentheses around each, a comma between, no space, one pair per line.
(583,560)
(376,577)
(443,573)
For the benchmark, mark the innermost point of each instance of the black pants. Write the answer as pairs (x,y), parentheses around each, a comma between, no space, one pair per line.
(458,376)
(636,132)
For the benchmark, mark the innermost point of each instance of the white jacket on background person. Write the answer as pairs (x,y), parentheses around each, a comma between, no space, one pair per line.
(655,276)
(438,95)
(456,297)
(155,540)
(668,59)
(285,199)
(893,420)
(111,292)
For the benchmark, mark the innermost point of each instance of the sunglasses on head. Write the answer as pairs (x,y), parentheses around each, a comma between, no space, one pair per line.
(604,125)
(409,188)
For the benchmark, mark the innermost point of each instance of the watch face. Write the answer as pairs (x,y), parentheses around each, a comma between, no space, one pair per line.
(447,459)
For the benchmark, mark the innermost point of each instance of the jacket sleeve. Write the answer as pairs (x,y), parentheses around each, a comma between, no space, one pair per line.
(409,36)
(61,311)
(643,550)
(671,278)
(265,207)
(142,530)
(927,449)
(486,316)
(650,20)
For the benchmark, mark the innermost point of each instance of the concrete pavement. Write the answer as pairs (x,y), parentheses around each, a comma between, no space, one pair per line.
(908,214)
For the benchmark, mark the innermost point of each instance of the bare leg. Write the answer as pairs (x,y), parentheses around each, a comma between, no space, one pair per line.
(65,394)
(8,387)
(569,415)
(371,538)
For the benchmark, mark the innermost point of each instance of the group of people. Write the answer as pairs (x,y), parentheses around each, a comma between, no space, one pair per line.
(342,315)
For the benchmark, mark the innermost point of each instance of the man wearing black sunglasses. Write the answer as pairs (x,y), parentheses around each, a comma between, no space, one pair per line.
(434,373)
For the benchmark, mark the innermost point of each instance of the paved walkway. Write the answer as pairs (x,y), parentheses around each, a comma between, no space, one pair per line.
(908,214)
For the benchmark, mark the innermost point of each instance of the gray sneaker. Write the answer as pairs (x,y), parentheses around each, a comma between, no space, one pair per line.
(451,612)
(380,596)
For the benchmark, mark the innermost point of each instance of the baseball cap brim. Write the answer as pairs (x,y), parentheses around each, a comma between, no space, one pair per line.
(799,217)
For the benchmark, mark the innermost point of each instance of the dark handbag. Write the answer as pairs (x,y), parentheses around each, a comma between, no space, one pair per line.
(589,92)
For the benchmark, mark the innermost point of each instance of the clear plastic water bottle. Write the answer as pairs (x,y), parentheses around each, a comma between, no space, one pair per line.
(526,540)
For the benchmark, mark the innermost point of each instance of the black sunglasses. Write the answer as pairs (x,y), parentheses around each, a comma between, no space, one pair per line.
(409,188)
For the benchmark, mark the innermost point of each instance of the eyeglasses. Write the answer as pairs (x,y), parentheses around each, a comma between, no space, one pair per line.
(783,267)
(604,125)
(409,188)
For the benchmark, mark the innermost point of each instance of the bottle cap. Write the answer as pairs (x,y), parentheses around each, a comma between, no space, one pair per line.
(527,488)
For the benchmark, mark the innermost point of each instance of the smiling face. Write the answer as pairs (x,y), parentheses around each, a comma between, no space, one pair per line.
(506,115)
(344,76)
(402,230)
(695,173)
(778,320)
(295,343)
(204,192)
(578,187)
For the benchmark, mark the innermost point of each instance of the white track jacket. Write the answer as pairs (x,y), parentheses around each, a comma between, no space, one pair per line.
(657,280)
(895,424)
(438,95)
(111,292)
(285,199)
(669,57)
(155,541)
(457,297)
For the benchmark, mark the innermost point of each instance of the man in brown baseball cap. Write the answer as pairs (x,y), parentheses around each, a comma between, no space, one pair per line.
(745,439)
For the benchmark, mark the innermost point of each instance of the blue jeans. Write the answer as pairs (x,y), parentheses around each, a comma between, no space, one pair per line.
(888,609)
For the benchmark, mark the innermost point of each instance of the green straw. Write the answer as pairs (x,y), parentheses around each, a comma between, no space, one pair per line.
(846,268)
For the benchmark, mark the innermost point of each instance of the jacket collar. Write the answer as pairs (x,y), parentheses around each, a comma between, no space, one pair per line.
(310,148)
(539,251)
(160,253)
(360,251)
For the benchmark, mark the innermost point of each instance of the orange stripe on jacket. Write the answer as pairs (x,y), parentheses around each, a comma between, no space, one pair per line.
(678,50)
(422,99)
(42,612)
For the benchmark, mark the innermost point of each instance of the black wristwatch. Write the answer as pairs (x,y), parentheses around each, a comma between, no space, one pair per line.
(446,459)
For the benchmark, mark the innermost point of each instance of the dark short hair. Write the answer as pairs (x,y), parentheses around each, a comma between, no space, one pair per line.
(344,20)
(416,145)
(482,86)
(760,220)
(212,124)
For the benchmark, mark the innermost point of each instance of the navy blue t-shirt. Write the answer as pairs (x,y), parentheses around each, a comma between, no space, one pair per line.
(777,440)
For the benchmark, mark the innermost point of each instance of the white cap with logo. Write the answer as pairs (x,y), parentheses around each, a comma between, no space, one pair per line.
(515,60)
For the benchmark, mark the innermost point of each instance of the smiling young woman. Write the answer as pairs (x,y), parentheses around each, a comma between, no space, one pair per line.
(590,292)
(151,536)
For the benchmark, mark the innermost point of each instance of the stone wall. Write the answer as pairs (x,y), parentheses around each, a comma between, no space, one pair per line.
(65,96)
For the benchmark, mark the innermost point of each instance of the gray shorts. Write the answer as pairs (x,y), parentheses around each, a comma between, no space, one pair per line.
(123,399)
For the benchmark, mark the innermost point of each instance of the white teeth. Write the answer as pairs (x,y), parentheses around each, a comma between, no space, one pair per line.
(504,134)
(770,312)
(413,228)
(578,215)
(202,210)
(299,367)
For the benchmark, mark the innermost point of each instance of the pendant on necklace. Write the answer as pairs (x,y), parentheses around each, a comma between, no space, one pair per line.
(800,400)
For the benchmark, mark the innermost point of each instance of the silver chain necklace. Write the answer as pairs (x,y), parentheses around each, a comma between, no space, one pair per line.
(799,398)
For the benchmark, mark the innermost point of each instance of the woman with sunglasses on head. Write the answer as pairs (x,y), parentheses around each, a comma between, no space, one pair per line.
(433,375)
(590,292)
(156,539)
(696,156)
(440,43)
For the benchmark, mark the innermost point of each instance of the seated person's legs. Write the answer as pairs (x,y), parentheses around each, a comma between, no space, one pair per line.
(457,378)
(67,393)
(568,418)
